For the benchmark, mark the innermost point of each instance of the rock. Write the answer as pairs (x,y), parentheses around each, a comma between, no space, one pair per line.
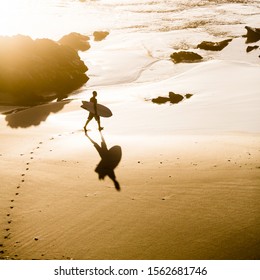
(100,35)
(253,34)
(160,100)
(36,71)
(175,98)
(250,48)
(188,95)
(214,46)
(76,41)
(184,56)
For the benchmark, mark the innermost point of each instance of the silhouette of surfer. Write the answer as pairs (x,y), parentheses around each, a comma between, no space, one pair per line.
(93,99)
(110,158)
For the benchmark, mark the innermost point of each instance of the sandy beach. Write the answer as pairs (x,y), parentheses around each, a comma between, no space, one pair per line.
(189,173)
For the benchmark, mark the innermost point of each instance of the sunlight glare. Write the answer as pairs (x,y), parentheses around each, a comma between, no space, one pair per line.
(15,15)
(22,17)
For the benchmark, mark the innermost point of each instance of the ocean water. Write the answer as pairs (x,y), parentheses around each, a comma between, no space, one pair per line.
(53,19)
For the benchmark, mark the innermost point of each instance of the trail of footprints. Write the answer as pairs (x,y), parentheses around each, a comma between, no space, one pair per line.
(8,229)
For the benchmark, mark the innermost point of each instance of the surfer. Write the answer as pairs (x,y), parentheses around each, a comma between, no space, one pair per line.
(110,158)
(93,99)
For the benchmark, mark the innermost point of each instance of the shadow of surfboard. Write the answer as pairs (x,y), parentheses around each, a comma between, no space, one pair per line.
(110,159)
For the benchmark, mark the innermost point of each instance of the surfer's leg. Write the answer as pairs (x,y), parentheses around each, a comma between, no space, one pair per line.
(90,117)
(98,121)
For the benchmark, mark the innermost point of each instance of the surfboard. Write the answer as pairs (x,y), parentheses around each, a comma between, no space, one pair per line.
(102,110)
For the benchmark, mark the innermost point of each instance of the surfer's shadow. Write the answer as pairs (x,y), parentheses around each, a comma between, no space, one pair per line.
(110,159)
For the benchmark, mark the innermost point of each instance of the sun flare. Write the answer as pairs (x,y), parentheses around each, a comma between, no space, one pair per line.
(16,16)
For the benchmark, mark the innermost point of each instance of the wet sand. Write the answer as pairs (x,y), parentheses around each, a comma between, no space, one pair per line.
(194,197)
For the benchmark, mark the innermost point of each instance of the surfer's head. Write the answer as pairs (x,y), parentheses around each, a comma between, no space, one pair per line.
(94,93)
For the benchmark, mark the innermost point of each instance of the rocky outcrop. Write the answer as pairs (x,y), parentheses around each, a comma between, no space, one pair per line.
(250,48)
(173,98)
(253,34)
(100,35)
(188,95)
(214,46)
(76,41)
(160,100)
(184,56)
(36,71)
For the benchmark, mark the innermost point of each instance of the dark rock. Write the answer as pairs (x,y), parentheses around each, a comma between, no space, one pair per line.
(253,34)
(160,100)
(214,46)
(250,48)
(175,98)
(100,35)
(188,95)
(184,56)
(36,71)
(76,41)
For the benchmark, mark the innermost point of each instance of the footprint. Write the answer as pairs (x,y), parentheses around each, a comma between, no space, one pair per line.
(12,200)
(7,229)
(18,187)
(27,163)
(8,215)
(40,143)
(17,193)
(22,181)
(27,168)
(9,222)
(31,152)
(23,175)
(31,157)
(11,207)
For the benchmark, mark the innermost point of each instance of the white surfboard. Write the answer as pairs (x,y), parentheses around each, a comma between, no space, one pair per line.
(102,110)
